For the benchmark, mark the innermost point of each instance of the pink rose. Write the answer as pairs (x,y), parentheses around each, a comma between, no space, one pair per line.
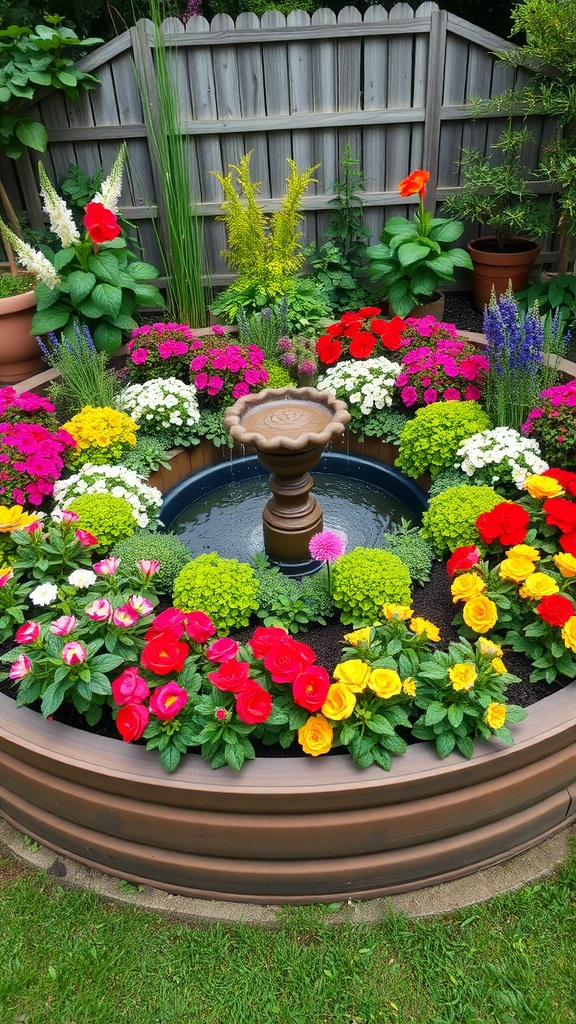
(167,701)
(222,650)
(100,610)
(125,616)
(20,668)
(129,687)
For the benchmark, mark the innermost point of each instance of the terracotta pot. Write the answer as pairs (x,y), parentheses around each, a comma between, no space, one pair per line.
(19,353)
(435,308)
(495,269)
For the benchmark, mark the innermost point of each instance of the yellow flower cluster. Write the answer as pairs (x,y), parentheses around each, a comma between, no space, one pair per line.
(101,433)
(15,518)
(543,486)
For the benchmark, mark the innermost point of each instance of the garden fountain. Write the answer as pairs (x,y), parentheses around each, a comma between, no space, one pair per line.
(289,429)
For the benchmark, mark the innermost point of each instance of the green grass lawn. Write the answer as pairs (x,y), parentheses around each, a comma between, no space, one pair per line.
(68,958)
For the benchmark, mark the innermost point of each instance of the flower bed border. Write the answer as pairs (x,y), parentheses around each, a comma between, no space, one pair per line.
(288,830)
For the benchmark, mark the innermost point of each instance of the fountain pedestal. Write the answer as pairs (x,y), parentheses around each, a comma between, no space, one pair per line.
(289,429)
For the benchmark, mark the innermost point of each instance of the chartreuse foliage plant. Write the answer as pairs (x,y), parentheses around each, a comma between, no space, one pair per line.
(429,442)
(108,519)
(225,589)
(450,521)
(364,580)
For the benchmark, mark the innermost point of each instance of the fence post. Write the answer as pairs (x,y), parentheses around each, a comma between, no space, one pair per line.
(434,89)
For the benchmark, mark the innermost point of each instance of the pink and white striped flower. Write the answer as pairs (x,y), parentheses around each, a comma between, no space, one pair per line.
(63,625)
(21,667)
(148,567)
(140,604)
(74,653)
(99,610)
(107,567)
(125,616)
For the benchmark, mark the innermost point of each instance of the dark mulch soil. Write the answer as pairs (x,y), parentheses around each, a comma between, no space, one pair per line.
(459,309)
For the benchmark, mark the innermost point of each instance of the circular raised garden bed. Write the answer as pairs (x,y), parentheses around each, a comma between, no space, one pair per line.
(296,830)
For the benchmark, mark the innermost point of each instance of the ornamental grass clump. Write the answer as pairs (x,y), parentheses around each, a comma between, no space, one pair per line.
(502,458)
(106,518)
(85,378)
(364,580)
(102,435)
(552,423)
(430,441)
(117,481)
(450,520)
(164,408)
(227,590)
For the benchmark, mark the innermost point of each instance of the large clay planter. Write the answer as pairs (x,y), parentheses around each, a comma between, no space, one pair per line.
(495,269)
(19,353)
(435,308)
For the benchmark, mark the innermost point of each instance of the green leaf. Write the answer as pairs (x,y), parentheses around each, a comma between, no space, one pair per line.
(105,267)
(411,252)
(148,295)
(455,715)
(446,230)
(380,725)
(141,271)
(170,758)
(32,135)
(107,298)
(435,713)
(63,257)
(465,746)
(445,743)
(460,258)
(80,284)
(51,319)
(107,338)
(53,698)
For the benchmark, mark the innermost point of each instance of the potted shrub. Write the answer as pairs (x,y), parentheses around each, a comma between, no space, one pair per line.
(19,353)
(411,258)
(497,195)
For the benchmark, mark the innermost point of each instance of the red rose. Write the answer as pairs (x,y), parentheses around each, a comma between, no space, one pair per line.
(462,559)
(264,638)
(100,223)
(566,479)
(568,543)
(253,704)
(362,345)
(231,676)
(328,350)
(199,626)
(555,609)
(310,688)
(507,523)
(223,650)
(288,659)
(164,654)
(169,621)
(130,687)
(560,512)
(167,701)
(131,721)
(390,332)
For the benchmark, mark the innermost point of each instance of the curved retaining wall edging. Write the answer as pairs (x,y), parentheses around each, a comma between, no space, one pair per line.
(288,830)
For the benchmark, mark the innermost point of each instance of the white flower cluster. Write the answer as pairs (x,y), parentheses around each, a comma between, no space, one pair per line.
(34,261)
(161,405)
(109,193)
(59,216)
(118,481)
(368,383)
(501,455)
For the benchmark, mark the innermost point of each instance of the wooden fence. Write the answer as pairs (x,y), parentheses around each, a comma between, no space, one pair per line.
(395,85)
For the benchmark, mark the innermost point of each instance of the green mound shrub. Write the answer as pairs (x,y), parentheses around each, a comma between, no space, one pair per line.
(366,579)
(223,588)
(429,442)
(278,376)
(167,549)
(450,521)
(412,549)
(446,478)
(109,519)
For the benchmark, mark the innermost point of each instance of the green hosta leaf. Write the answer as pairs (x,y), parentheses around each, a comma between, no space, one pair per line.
(445,743)
(141,271)
(148,295)
(424,281)
(124,323)
(32,135)
(446,230)
(441,265)
(107,338)
(411,252)
(460,258)
(51,319)
(63,257)
(80,284)
(104,266)
(108,299)
(89,309)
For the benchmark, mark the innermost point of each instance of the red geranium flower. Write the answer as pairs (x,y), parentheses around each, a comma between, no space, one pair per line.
(310,688)
(253,703)
(507,523)
(328,349)
(288,659)
(164,654)
(362,345)
(223,650)
(100,223)
(555,609)
(415,182)
(390,332)
(560,512)
(462,559)
(566,479)
(131,721)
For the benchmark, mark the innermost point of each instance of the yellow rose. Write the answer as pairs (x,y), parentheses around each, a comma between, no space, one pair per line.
(359,636)
(463,676)
(409,687)
(316,736)
(499,666)
(542,486)
(15,518)
(566,564)
(400,612)
(569,633)
(488,647)
(339,703)
(480,614)
(495,715)
(385,682)
(355,674)
(539,585)
(418,625)
(524,551)
(466,586)
(515,569)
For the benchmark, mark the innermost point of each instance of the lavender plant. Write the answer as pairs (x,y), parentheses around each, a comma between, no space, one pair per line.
(84,376)
(524,350)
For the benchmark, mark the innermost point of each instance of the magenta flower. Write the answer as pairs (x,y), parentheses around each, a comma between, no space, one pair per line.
(130,687)
(218,329)
(107,567)
(139,356)
(168,700)
(64,625)
(99,610)
(148,567)
(74,653)
(21,667)
(86,539)
(140,604)
(27,633)
(451,395)
(327,546)
(409,395)
(125,616)
(430,395)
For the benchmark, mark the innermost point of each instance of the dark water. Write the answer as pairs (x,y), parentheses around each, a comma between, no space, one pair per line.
(229,519)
